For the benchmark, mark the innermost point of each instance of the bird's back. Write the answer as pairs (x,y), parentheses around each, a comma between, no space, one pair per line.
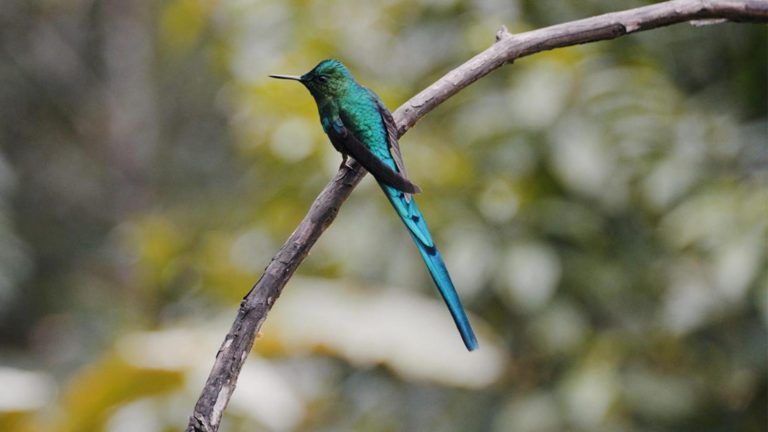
(362,117)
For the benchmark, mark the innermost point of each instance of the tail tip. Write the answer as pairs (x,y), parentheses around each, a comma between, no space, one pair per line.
(471,342)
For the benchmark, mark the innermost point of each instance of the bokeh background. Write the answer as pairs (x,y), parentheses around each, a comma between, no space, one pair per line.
(603,210)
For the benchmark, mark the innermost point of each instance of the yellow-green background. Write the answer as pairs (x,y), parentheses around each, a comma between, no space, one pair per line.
(602,208)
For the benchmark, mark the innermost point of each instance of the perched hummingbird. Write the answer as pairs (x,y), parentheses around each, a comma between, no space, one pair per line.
(359,125)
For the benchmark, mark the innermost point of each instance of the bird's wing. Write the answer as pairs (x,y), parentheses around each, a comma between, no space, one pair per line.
(391,127)
(341,135)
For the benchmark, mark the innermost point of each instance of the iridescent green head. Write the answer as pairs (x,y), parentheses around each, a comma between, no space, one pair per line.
(330,78)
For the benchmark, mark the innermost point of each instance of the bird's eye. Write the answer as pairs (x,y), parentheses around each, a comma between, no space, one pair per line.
(322,78)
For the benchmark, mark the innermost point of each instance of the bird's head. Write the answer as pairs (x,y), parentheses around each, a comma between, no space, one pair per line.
(330,78)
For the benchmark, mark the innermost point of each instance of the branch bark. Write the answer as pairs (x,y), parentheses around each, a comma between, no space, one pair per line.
(257,303)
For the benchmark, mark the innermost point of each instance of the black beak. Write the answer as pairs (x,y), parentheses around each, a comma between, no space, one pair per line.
(286,77)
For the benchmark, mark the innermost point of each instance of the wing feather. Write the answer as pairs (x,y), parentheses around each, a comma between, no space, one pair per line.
(392,135)
(343,137)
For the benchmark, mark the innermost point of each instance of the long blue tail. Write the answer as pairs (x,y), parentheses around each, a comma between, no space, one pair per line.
(409,212)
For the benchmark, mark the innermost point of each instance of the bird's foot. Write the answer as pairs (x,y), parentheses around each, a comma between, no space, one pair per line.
(343,162)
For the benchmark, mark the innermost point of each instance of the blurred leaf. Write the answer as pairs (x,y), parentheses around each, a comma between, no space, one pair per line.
(94,392)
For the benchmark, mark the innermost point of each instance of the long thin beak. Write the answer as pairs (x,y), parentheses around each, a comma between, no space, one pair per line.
(286,77)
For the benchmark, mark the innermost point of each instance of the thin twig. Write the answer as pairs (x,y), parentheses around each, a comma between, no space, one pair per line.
(508,47)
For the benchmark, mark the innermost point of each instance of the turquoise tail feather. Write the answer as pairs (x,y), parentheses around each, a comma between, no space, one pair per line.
(417,227)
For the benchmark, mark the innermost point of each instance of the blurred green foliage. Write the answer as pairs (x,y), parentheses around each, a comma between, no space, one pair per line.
(603,209)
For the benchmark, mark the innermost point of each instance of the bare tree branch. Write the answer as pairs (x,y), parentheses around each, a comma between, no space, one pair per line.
(257,303)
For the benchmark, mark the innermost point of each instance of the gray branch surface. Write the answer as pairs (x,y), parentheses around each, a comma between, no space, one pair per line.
(508,47)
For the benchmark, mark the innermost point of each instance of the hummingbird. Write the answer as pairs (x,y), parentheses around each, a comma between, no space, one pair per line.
(359,125)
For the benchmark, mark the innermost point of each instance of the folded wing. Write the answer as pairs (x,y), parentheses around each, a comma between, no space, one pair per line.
(345,139)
